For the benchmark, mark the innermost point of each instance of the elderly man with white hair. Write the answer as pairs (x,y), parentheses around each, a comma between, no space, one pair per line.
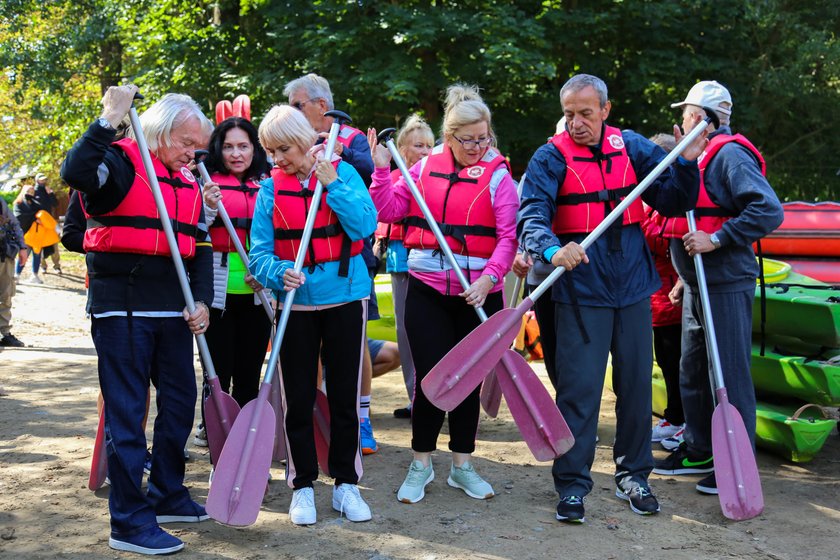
(140,326)
(735,208)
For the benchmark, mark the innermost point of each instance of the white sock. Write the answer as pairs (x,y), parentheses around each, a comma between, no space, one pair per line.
(364,407)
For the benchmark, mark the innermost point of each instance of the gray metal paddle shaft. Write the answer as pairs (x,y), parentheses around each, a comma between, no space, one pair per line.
(618,211)
(236,242)
(170,236)
(444,246)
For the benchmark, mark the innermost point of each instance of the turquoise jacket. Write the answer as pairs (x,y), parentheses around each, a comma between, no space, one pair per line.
(349,198)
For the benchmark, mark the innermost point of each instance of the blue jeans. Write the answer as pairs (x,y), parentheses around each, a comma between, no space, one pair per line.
(131,354)
(36,262)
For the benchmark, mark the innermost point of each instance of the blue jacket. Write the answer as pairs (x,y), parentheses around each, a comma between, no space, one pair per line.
(734,182)
(613,278)
(349,198)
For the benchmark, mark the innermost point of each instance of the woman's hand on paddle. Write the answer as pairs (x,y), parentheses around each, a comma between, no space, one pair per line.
(478,290)
(522,263)
(380,154)
(252,282)
(676,293)
(116,103)
(569,256)
(325,171)
(198,320)
(293,280)
(212,194)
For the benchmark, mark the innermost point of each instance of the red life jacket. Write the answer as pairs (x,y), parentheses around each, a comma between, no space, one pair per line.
(664,312)
(460,203)
(239,200)
(395,231)
(291,205)
(590,192)
(134,226)
(346,134)
(709,216)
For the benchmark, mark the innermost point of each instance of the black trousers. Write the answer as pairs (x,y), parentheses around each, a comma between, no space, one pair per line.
(435,323)
(544,312)
(668,349)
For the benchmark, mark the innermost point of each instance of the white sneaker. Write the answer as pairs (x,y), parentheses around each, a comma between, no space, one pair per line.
(302,511)
(673,442)
(35,279)
(662,430)
(347,500)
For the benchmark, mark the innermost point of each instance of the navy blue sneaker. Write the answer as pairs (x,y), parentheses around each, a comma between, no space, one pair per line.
(147,464)
(189,512)
(153,541)
(570,509)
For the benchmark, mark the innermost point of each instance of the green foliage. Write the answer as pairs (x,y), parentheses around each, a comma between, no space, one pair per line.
(9,197)
(386,59)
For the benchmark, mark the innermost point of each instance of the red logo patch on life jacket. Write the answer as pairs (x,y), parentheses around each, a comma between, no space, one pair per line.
(188,175)
(616,141)
(475,172)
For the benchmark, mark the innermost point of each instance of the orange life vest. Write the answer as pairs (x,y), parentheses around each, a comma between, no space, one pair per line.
(134,226)
(239,200)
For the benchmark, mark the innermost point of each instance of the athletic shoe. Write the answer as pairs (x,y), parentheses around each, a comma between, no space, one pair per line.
(708,485)
(347,500)
(57,269)
(302,511)
(35,279)
(369,446)
(189,512)
(403,413)
(147,464)
(200,439)
(673,442)
(683,462)
(152,541)
(642,501)
(662,430)
(11,341)
(413,488)
(465,478)
(570,509)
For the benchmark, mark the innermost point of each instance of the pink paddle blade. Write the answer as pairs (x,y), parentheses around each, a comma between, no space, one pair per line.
(276,400)
(321,424)
(224,110)
(458,373)
(736,471)
(534,411)
(220,412)
(99,461)
(242,470)
(491,395)
(242,107)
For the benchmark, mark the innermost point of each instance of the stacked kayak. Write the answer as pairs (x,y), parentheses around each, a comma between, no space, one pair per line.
(384,328)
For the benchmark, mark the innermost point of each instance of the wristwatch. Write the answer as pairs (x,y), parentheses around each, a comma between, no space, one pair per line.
(493,279)
(105,123)
(715,241)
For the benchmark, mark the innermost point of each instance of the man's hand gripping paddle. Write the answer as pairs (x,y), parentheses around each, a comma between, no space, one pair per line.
(239,483)
(458,373)
(220,416)
(540,422)
(736,472)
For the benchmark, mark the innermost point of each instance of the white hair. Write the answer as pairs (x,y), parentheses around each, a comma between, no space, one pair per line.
(170,112)
(315,86)
(582,81)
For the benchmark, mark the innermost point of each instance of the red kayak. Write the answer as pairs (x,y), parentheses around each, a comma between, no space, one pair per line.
(809,230)
(824,270)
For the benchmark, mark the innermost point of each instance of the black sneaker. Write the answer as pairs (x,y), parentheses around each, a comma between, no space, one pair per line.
(570,509)
(642,500)
(402,413)
(683,462)
(708,485)
(11,340)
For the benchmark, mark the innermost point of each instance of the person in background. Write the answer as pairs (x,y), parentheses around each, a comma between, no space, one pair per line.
(11,246)
(414,142)
(25,207)
(47,201)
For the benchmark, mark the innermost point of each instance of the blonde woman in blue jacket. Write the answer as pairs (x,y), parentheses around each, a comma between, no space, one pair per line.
(330,309)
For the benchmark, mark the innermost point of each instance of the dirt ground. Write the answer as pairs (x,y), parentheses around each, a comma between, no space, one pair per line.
(48,422)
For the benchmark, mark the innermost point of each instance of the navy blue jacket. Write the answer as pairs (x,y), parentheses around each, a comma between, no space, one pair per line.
(613,278)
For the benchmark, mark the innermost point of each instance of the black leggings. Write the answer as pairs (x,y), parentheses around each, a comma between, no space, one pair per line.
(667,348)
(435,323)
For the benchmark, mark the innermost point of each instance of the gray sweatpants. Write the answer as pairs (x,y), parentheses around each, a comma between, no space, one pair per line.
(627,335)
(399,289)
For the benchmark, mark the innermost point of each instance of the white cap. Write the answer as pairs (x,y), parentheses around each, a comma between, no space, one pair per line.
(40,177)
(708,94)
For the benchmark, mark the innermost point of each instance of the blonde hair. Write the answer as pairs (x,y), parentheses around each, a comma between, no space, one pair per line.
(284,124)
(170,112)
(463,107)
(414,125)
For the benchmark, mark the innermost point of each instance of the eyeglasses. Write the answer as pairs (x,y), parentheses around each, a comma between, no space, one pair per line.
(299,104)
(468,144)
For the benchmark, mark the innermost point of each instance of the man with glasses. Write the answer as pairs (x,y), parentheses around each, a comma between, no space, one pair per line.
(602,307)
(311,95)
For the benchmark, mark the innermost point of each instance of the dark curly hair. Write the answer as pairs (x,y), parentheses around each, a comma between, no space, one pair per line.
(215,161)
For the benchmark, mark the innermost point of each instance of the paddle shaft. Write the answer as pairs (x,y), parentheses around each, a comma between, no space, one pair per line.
(202,169)
(430,220)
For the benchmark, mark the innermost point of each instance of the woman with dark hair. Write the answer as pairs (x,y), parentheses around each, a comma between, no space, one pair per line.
(239,327)
(25,207)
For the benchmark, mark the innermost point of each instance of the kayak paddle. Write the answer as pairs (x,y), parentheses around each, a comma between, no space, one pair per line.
(491,391)
(736,471)
(239,484)
(458,373)
(242,107)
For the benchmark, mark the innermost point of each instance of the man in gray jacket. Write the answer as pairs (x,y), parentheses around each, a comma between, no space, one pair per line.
(11,245)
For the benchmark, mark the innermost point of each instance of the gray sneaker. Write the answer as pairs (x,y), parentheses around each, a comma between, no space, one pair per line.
(413,488)
(465,478)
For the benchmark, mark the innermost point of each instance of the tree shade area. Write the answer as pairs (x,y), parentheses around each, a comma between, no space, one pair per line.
(780,60)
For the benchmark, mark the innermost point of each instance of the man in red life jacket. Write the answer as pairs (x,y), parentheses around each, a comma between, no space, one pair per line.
(736,207)
(602,304)
(311,95)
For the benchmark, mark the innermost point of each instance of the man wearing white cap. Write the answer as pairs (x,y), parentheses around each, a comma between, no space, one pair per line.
(735,208)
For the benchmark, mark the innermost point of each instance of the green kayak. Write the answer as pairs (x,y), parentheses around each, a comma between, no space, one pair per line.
(790,368)
(384,328)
